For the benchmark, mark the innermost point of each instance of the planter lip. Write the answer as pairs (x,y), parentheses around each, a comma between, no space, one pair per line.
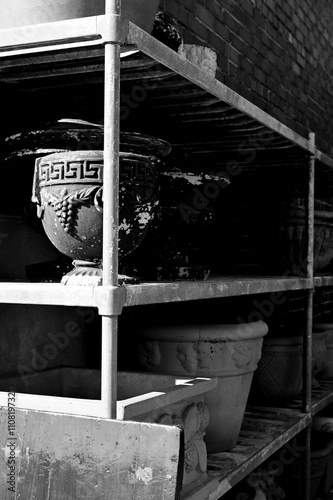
(30,142)
(295,340)
(323,327)
(95,154)
(206,332)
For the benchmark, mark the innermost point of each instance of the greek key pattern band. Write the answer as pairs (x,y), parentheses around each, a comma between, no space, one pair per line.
(62,172)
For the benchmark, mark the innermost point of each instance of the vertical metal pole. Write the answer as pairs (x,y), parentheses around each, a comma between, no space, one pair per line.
(110,204)
(307,356)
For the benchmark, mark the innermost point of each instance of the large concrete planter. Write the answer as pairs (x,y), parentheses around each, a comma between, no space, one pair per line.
(23,12)
(228,352)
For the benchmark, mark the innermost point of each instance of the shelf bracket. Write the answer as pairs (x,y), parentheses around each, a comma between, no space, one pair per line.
(110,300)
(114,29)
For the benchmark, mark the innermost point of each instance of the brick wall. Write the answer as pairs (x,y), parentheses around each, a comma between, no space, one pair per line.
(276,53)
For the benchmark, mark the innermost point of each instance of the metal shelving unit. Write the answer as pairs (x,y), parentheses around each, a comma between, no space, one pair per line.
(45,55)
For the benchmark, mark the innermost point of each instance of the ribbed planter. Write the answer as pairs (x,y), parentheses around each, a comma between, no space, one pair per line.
(319,357)
(23,12)
(278,378)
(327,328)
(293,239)
(229,352)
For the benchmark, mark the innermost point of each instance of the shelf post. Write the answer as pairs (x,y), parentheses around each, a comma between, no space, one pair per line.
(307,355)
(110,205)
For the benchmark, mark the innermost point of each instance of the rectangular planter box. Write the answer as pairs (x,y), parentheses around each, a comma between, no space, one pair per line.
(142,397)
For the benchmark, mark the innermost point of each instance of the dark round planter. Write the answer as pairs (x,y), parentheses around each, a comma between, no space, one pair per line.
(278,377)
(181,240)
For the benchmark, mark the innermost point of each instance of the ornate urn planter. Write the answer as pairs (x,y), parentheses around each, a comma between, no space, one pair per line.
(68,190)
(278,378)
(21,12)
(228,352)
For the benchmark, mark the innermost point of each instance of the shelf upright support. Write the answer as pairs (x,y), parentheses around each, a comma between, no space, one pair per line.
(110,204)
(309,273)
(307,355)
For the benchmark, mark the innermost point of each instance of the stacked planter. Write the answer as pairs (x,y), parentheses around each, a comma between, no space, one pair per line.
(228,352)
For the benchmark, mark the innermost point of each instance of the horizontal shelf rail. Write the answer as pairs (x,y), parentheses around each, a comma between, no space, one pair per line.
(108,300)
(323,281)
(59,35)
(160,292)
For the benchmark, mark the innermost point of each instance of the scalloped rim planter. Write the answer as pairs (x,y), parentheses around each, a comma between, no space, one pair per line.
(228,352)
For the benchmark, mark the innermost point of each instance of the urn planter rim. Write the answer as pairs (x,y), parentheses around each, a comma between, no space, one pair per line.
(87,154)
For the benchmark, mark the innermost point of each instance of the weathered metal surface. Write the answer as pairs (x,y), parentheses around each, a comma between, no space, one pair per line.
(108,300)
(263,432)
(110,209)
(323,281)
(307,336)
(159,293)
(62,457)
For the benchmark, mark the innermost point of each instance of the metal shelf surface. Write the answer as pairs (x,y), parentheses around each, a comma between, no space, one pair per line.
(263,432)
(110,300)
(322,396)
(213,287)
